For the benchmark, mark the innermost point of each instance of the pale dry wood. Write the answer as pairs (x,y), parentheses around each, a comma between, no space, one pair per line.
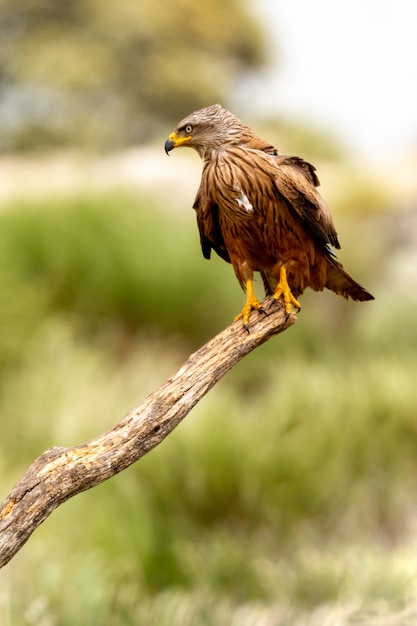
(60,473)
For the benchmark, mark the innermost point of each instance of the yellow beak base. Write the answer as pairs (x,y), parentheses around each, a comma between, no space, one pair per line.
(174,141)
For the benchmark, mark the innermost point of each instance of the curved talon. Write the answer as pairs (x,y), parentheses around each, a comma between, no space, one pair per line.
(272,303)
(283,289)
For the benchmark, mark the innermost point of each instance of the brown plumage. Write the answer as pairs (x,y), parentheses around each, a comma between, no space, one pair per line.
(261,211)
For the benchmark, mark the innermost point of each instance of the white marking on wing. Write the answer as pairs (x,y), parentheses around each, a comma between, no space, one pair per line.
(244,202)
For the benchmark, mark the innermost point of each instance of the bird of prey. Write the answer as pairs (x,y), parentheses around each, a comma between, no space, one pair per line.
(261,211)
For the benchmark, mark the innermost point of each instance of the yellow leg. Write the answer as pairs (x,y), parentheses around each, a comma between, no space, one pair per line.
(252,302)
(283,289)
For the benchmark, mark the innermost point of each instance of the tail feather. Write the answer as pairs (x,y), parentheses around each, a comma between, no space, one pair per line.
(339,281)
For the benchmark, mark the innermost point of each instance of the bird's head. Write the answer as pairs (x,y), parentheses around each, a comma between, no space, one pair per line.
(207,130)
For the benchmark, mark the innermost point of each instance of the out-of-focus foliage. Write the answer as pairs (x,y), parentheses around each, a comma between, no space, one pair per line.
(116,260)
(96,72)
(289,489)
(107,261)
(287,496)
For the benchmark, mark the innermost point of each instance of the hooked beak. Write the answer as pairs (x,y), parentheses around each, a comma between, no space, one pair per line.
(174,141)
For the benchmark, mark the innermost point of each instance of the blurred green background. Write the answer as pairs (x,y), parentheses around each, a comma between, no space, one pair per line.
(287,496)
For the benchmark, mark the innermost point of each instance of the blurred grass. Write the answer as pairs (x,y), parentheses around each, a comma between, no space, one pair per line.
(287,497)
(108,258)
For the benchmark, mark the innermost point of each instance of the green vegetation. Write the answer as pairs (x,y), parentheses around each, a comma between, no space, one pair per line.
(288,494)
(105,74)
(108,260)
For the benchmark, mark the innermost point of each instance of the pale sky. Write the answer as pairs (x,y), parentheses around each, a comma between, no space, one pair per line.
(351,66)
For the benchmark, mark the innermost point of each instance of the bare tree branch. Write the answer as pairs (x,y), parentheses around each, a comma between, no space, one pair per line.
(60,473)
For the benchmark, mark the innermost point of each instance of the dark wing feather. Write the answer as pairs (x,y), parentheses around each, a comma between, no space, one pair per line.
(297,181)
(208,224)
(308,170)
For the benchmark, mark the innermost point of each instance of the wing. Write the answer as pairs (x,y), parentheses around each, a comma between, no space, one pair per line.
(297,181)
(208,224)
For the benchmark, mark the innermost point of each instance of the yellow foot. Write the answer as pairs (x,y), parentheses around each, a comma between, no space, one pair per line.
(252,302)
(283,289)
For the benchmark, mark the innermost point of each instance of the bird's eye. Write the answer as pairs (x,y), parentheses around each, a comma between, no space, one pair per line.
(188,129)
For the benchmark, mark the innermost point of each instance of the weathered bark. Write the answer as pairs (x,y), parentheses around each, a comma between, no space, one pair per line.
(60,473)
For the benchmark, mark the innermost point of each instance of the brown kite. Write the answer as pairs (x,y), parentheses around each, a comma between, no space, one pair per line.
(261,211)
